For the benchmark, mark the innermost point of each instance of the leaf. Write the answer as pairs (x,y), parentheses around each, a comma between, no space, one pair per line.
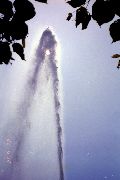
(118,66)
(116,6)
(86,21)
(5,52)
(69,16)
(2,26)
(6,9)
(5,30)
(115,30)
(76,3)
(24,10)
(19,50)
(82,17)
(42,1)
(18,30)
(116,56)
(102,12)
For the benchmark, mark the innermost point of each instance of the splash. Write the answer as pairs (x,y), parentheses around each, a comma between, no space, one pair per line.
(33,144)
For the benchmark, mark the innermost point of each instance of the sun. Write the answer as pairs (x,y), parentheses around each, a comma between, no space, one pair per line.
(47,52)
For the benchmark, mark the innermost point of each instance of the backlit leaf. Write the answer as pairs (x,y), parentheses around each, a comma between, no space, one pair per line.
(42,1)
(5,53)
(19,50)
(116,56)
(24,10)
(69,16)
(115,30)
(76,3)
(82,17)
(102,11)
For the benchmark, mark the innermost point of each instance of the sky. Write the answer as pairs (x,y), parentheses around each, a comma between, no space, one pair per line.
(91,86)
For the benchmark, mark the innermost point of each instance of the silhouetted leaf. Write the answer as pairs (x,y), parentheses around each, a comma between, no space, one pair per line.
(13,27)
(118,66)
(2,26)
(116,56)
(69,16)
(19,50)
(42,1)
(116,6)
(82,17)
(76,3)
(5,30)
(24,10)
(102,11)
(5,53)
(18,30)
(115,30)
(86,21)
(6,9)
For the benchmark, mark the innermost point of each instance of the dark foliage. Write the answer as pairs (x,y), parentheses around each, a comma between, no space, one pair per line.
(24,10)
(6,9)
(82,17)
(115,30)
(13,25)
(18,30)
(102,12)
(116,6)
(116,56)
(69,16)
(42,1)
(18,48)
(5,53)
(118,66)
(76,3)
(14,28)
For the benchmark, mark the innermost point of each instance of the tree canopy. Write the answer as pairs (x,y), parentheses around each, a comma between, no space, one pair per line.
(13,27)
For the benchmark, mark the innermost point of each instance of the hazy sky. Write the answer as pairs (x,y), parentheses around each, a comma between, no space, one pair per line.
(91,87)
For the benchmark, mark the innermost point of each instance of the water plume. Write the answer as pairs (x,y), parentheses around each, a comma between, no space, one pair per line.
(33,144)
